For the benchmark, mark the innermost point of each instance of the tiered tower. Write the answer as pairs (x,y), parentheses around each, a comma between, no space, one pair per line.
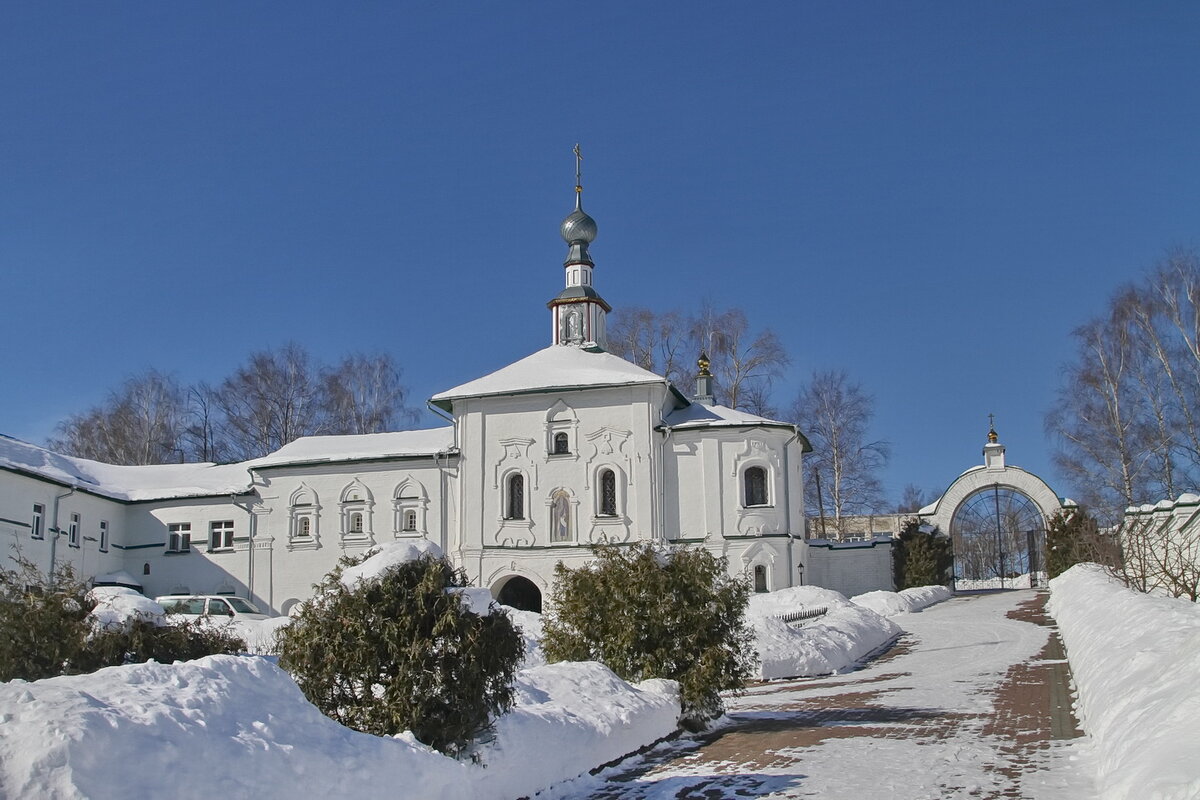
(577,314)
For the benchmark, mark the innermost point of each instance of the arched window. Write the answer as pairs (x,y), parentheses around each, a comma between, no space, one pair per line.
(560,517)
(760,578)
(756,486)
(356,522)
(303,527)
(561,444)
(410,520)
(514,500)
(608,493)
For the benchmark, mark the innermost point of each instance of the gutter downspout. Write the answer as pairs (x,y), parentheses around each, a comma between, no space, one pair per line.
(251,526)
(54,541)
(787,503)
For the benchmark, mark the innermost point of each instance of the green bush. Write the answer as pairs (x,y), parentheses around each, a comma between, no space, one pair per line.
(45,630)
(651,614)
(921,558)
(403,652)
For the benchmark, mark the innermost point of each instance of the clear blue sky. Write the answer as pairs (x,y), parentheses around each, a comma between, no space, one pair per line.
(930,196)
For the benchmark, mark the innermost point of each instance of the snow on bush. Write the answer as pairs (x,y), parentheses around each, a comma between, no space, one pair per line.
(117,607)
(529,625)
(835,642)
(889,604)
(388,556)
(226,726)
(1135,660)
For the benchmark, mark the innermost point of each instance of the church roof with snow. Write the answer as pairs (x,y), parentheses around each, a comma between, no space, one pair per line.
(126,483)
(699,415)
(557,367)
(361,447)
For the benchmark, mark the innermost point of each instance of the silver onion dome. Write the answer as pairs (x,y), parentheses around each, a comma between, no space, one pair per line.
(578,227)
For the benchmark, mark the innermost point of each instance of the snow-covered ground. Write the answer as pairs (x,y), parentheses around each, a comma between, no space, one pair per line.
(836,641)
(1135,660)
(911,727)
(230,726)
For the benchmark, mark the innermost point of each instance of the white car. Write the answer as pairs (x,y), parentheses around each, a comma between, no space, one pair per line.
(213,606)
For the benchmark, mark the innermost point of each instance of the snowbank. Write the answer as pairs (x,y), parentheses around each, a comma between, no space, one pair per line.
(390,555)
(835,642)
(1135,660)
(889,604)
(529,624)
(117,606)
(239,727)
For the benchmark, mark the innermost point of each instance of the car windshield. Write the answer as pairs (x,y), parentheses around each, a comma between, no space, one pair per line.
(241,606)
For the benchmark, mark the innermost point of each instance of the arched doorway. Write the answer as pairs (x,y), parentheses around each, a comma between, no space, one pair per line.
(520,593)
(998,533)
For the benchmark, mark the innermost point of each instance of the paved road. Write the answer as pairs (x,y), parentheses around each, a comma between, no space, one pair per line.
(969,704)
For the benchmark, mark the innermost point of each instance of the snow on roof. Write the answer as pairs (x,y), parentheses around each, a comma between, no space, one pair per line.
(309,449)
(698,415)
(155,482)
(555,367)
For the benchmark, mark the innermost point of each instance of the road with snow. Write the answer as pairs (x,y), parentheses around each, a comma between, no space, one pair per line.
(959,708)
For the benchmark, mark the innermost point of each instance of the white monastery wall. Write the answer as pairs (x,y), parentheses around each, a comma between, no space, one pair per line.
(850,567)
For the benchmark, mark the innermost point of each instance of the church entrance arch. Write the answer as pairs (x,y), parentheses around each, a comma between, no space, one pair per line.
(520,593)
(998,532)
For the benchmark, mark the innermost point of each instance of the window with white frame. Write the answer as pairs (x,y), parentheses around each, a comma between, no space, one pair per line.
(73,531)
(409,502)
(179,537)
(103,536)
(514,496)
(755,479)
(302,523)
(356,504)
(608,493)
(220,535)
(562,444)
(36,529)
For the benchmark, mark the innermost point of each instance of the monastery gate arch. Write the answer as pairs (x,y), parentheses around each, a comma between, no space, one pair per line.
(996,516)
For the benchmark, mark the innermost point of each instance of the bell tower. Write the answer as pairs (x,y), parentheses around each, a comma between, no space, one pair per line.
(577,314)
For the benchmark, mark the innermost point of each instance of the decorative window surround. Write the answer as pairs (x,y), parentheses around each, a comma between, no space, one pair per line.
(304,519)
(356,505)
(410,505)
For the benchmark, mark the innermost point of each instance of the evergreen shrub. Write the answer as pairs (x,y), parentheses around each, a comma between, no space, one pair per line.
(1073,537)
(921,557)
(45,630)
(648,613)
(403,652)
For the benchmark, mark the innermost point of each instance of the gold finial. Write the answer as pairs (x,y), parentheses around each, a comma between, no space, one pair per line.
(993,437)
(703,364)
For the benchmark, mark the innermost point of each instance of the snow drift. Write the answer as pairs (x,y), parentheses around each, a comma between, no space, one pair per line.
(1135,660)
(240,727)
(889,604)
(835,642)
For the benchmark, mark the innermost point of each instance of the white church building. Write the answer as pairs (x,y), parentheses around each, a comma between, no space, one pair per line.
(566,448)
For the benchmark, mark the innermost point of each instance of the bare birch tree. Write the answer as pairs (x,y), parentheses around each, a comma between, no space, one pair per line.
(745,362)
(142,422)
(364,394)
(1126,417)
(836,413)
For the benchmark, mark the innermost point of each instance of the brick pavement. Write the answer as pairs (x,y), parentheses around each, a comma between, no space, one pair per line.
(1031,708)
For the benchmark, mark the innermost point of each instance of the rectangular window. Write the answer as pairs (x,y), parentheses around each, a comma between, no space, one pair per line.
(103,536)
(180,538)
(220,535)
(39,513)
(73,531)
